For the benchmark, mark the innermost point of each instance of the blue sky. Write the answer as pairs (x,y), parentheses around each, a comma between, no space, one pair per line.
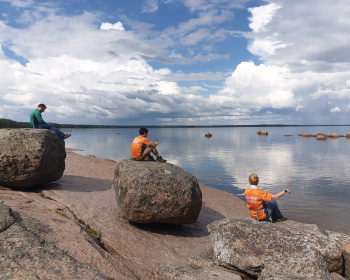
(176,62)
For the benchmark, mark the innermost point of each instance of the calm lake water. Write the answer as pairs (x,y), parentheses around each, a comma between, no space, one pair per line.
(316,172)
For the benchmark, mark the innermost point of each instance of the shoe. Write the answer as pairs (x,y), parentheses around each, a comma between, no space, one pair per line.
(66,136)
(150,158)
(160,159)
(283,219)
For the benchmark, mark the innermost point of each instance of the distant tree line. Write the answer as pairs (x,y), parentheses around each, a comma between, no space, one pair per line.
(6,123)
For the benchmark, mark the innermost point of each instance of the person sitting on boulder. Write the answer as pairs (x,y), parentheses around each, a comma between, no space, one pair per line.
(263,205)
(37,121)
(141,147)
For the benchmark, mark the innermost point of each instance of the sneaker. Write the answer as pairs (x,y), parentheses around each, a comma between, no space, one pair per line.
(150,158)
(66,136)
(160,159)
(283,219)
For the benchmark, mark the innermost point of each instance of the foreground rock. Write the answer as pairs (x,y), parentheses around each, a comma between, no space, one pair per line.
(23,255)
(344,242)
(59,214)
(275,251)
(151,192)
(30,157)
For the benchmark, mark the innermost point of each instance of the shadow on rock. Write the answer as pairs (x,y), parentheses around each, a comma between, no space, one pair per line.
(197,229)
(69,183)
(79,184)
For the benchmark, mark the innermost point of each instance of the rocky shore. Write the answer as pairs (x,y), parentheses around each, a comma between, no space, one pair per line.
(78,215)
(73,229)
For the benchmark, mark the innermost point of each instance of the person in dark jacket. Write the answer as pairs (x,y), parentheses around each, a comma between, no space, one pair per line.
(37,121)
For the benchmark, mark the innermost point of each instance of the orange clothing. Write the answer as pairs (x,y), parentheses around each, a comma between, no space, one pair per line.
(137,145)
(255,199)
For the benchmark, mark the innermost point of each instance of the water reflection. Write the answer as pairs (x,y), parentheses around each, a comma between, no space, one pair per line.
(316,172)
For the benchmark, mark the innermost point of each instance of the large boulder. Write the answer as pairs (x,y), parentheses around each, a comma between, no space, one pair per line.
(30,157)
(344,242)
(266,250)
(152,192)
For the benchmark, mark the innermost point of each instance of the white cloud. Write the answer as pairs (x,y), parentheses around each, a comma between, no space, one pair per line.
(110,26)
(255,87)
(261,16)
(150,6)
(335,110)
(19,3)
(94,72)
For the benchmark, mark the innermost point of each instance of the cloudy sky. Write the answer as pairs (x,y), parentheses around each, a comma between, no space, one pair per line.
(172,62)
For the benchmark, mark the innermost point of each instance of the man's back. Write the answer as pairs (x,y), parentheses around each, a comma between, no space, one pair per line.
(137,145)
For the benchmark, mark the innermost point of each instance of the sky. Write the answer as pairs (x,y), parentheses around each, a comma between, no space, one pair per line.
(176,62)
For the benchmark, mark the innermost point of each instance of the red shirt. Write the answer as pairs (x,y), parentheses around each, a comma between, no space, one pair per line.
(255,199)
(137,145)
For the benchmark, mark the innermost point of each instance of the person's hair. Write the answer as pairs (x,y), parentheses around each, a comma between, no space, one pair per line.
(254,179)
(41,105)
(143,130)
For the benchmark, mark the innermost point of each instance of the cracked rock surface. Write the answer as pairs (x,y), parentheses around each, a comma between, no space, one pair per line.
(77,222)
(24,255)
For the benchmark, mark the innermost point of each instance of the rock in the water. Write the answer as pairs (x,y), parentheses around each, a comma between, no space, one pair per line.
(321,137)
(30,157)
(208,135)
(152,192)
(306,135)
(266,250)
(332,135)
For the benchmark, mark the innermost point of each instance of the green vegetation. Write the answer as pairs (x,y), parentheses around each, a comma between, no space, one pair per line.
(61,213)
(6,123)
(94,232)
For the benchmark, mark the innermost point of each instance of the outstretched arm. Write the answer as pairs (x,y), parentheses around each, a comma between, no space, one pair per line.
(278,195)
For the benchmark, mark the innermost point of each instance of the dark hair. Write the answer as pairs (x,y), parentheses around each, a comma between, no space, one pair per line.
(143,130)
(41,105)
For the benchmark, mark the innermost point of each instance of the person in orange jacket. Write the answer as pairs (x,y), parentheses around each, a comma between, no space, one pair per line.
(263,205)
(141,147)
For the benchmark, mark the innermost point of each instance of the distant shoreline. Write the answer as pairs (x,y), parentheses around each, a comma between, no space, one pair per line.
(7,123)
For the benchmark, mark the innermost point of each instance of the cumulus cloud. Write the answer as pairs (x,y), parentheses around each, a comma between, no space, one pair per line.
(256,87)
(87,69)
(312,50)
(110,26)
(262,16)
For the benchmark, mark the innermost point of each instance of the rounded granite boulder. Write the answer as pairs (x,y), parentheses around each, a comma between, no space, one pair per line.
(30,157)
(152,192)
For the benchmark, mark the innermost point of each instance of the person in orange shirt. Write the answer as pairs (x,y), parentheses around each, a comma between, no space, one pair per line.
(263,205)
(141,147)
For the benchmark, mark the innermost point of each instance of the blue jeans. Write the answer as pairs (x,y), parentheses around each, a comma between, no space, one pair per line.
(271,210)
(51,127)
